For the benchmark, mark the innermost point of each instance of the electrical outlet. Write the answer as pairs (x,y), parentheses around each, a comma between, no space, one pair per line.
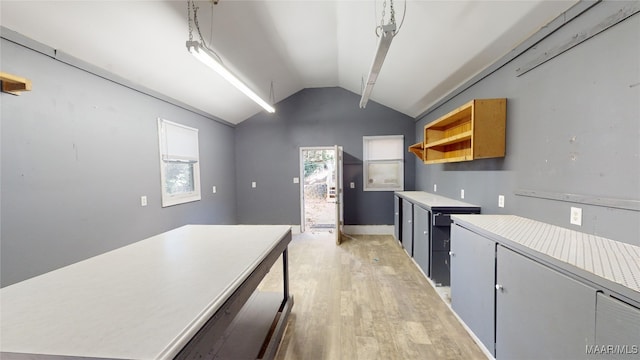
(253,184)
(576,216)
(501,201)
(213,189)
(461,193)
(143,201)
(435,187)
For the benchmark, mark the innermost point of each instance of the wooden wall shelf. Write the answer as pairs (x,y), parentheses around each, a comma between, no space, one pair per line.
(475,130)
(417,150)
(14,85)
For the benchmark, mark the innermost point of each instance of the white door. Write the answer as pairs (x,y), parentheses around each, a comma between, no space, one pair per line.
(319,191)
(339,194)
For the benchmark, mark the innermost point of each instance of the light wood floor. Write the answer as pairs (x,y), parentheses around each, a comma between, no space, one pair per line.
(364,299)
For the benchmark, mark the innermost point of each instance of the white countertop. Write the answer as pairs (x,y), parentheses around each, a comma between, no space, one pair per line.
(615,261)
(434,201)
(142,301)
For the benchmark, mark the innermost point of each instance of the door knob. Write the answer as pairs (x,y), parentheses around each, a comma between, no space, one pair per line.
(451,253)
(499,287)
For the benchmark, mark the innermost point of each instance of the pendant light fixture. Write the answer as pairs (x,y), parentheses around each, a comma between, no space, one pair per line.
(207,56)
(387,33)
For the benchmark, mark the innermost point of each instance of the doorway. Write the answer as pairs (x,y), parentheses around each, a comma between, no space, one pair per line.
(321,189)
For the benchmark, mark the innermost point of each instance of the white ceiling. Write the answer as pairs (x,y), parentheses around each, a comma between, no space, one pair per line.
(294,44)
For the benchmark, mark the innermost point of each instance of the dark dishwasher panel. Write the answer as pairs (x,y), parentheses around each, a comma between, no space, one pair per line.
(440,271)
(440,232)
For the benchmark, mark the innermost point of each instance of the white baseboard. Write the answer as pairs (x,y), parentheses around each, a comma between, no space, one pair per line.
(295,229)
(368,229)
(357,229)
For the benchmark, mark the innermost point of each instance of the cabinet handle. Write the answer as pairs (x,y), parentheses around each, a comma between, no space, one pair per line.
(451,253)
(499,287)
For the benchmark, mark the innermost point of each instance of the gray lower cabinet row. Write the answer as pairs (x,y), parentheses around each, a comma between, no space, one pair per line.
(422,225)
(521,309)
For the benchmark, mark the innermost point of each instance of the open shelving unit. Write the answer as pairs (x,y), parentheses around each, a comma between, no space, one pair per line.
(475,130)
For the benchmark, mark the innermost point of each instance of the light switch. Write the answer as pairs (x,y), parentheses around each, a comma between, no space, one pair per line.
(352,185)
(296,180)
(214,190)
(253,184)
(143,201)
(435,187)
(501,201)
(461,193)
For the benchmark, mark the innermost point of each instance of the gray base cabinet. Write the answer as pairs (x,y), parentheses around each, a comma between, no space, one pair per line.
(407,226)
(473,283)
(617,325)
(540,313)
(421,238)
(530,290)
(397,217)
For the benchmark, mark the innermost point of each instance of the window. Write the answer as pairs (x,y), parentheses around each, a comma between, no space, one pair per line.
(179,163)
(383,163)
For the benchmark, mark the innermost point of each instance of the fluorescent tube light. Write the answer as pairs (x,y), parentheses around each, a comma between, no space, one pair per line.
(384,43)
(209,59)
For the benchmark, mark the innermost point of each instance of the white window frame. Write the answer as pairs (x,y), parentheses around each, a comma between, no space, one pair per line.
(395,156)
(178,144)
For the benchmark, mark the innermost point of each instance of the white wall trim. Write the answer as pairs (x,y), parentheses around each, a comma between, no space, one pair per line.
(295,229)
(368,229)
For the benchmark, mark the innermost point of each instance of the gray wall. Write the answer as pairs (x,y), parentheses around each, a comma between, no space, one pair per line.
(77,153)
(573,127)
(267,152)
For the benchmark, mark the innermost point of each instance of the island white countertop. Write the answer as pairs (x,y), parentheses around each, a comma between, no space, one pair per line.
(141,301)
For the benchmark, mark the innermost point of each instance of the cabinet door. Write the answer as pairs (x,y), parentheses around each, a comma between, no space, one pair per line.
(397,222)
(407,225)
(473,283)
(617,324)
(540,313)
(421,238)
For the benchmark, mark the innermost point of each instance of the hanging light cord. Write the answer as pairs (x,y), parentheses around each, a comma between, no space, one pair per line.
(392,19)
(193,9)
(404,13)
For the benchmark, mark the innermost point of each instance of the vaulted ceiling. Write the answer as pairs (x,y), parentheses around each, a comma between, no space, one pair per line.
(290,44)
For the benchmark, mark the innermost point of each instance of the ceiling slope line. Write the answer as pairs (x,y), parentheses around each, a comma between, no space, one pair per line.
(545,31)
(70,60)
(626,12)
